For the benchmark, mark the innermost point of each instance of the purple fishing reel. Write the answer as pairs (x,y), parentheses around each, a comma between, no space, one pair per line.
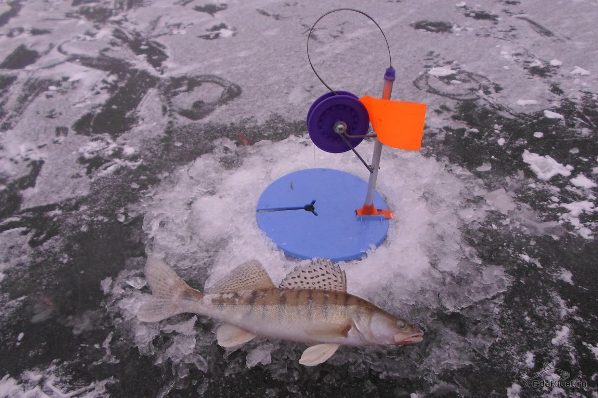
(337,122)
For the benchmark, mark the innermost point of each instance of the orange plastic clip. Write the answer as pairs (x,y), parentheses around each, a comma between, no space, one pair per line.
(370,210)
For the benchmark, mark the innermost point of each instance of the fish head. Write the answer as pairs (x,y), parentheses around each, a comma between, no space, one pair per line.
(387,329)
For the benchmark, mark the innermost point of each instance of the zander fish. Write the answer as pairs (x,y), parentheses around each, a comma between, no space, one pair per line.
(311,305)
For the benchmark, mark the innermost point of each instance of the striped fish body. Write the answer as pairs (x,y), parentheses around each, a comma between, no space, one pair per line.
(302,315)
(311,305)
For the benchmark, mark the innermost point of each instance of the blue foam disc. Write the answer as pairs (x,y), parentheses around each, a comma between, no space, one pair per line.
(336,233)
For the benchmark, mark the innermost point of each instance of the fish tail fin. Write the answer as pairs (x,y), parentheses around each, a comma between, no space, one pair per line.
(155,310)
(170,294)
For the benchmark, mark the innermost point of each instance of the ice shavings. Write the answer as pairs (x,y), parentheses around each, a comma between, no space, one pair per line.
(545,167)
(185,343)
(260,355)
(48,383)
(136,282)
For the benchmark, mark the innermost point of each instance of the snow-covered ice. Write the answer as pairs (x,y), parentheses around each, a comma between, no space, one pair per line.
(580,71)
(442,71)
(562,336)
(583,182)
(139,127)
(525,102)
(553,115)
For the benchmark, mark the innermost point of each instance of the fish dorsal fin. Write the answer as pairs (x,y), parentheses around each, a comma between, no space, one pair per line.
(319,275)
(247,276)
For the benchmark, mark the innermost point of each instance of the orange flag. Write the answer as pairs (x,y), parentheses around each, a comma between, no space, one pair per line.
(397,124)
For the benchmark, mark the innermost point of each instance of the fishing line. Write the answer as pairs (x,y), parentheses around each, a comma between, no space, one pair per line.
(337,10)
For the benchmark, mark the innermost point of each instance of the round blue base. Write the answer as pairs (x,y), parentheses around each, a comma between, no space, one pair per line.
(336,233)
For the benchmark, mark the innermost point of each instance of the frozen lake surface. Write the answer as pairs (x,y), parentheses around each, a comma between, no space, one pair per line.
(136,127)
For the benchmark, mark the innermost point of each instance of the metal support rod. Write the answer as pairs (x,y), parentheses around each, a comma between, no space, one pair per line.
(389,78)
(367,166)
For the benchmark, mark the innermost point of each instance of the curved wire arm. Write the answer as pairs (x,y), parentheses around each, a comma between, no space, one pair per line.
(337,10)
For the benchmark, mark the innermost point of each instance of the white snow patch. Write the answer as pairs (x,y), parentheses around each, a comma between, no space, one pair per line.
(501,141)
(529,259)
(501,200)
(583,182)
(592,348)
(575,210)
(538,134)
(580,71)
(553,115)
(461,4)
(513,391)
(566,276)
(530,359)
(561,336)
(106,284)
(484,167)
(555,62)
(536,62)
(441,71)
(525,102)
(128,150)
(545,167)
(99,146)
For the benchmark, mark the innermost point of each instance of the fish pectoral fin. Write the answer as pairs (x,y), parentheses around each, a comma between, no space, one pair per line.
(229,335)
(316,354)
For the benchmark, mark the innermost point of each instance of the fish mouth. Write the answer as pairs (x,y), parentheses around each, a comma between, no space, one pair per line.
(411,339)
